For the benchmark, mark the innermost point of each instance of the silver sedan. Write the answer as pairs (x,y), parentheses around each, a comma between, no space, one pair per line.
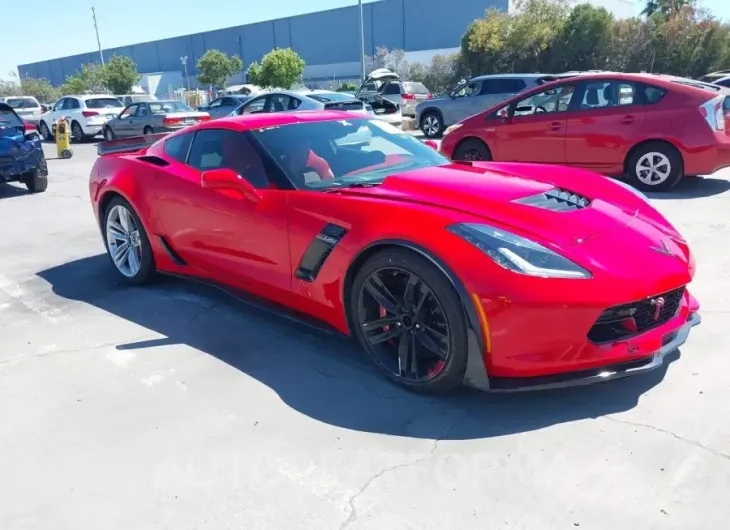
(148,117)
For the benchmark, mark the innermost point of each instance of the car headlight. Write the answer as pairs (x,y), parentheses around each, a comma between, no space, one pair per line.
(452,128)
(517,253)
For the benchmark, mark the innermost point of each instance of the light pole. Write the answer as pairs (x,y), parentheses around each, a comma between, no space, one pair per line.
(184,61)
(362,42)
(98,41)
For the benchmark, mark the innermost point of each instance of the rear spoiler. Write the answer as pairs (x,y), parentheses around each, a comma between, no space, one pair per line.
(128,145)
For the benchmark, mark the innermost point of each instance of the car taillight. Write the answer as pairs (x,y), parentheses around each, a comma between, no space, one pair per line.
(409,96)
(203,118)
(171,121)
(89,113)
(429,96)
(714,113)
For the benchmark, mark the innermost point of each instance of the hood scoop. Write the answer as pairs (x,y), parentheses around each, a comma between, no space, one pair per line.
(556,200)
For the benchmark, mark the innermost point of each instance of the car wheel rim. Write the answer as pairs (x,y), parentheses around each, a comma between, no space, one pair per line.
(431,124)
(44,130)
(473,155)
(76,131)
(653,168)
(404,325)
(123,241)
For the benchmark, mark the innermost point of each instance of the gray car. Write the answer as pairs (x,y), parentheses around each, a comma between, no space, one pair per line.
(291,100)
(150,117)
(224,105)
(433,116)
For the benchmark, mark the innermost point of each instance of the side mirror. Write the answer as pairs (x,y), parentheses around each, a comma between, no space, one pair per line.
(433,145)
(227,179)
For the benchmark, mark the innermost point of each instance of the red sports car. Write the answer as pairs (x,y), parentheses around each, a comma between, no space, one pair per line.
(501,276)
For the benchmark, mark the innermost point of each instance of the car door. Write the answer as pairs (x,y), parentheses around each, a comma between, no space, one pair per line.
(534,130)
(55,113)
(140,119)
(123,125)
(463,102)
(240,240)
(606,123)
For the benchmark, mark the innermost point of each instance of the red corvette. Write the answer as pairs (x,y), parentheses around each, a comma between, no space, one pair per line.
(500,276)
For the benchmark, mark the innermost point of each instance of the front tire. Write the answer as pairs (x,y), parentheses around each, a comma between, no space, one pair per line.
(407,316)
(45,132)
(148,130)
(77,133)
(127,243)
(654,166)
(109,134)
(472,150)
(432,124)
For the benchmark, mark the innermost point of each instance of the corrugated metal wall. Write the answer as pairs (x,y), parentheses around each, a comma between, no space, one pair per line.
(405,24)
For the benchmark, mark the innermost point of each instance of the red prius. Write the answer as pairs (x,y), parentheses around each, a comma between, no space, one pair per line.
(500,276)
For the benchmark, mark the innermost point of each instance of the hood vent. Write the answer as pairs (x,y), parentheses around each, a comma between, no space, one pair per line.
(556,200)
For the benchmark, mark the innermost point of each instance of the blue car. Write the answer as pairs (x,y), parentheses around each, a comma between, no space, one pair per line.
(21,153)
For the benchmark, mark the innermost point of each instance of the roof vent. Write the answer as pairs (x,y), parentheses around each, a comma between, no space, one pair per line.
(556,200)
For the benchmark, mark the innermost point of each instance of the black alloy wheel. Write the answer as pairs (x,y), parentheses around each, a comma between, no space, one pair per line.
(77,133)
(472,150)
(411,323)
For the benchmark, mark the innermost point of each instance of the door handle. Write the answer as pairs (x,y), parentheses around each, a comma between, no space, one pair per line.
(554,126)
(628,120)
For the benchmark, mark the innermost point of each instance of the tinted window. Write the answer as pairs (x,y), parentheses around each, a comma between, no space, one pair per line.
(9,119)
(72,103)
(470,89)
(723,82)
(103,103)
(555,99)
(220,148)
(22,103)
(281,103)
(177,147)
(653,94)
(392,89)
(502,86)
(59,104)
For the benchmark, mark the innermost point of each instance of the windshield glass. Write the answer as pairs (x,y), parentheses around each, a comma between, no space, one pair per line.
(415,88)
(9,119)
(326,97)
(103,103)
(163,107)
(23,103)
(332,154)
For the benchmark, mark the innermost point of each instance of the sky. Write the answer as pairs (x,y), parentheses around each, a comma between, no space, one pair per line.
(123,22)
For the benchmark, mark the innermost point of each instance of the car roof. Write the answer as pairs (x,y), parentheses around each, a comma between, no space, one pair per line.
(508,76)
(275,119)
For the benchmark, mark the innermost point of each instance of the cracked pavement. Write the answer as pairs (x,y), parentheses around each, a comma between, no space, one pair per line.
(179,407)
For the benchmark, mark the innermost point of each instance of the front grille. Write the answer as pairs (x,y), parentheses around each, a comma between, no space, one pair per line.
(556,200)
(627,320)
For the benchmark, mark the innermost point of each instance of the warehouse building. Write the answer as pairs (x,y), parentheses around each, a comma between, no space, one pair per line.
(422,28)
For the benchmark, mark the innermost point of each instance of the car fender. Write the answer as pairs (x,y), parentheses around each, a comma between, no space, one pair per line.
(476,373)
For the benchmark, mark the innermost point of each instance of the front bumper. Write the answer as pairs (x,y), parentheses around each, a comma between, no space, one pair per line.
(672,341)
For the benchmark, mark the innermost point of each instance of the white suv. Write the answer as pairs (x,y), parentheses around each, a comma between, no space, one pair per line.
(86,114)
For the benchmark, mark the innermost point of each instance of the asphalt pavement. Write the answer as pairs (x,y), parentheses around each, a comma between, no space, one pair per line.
(175,406)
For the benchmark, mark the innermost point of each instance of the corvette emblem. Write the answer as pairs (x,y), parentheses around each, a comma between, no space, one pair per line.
(657,304)
(664,250)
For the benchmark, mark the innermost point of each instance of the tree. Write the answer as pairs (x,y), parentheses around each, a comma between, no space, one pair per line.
(120,74)
(444,73)
(666,6)
(215,67)
(629,49)
(484,45)
(393,60)
(584,40)
(347,87)
(89,79)
(280,68)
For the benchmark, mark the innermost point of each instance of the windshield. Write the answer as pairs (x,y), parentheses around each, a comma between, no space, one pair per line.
(142,98)
(163,107)
(415,88)
(326,97)
(353,152)
(22,103)
(9,119)
(103,103)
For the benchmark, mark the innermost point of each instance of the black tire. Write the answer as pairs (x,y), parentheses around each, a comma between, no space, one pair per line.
(77,133)
(45,132)
(147,269)
(442,375)
(148,130)
(109,134)
(432,124)
(660,155)
(472,150)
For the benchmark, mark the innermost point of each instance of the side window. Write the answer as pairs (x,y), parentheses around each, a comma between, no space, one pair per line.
(723,82)
(278,103)
(59,104)
(369,87)
(293,104)
(229,102)
(71,104)
(254,106)
(518,85)
(215,103)
(492,87)
(141,110)
(470,89)
(392,89)
(177,147)
(604,94)
(129,111)
(555,99)
(220,148)
(626,94)
(653,94)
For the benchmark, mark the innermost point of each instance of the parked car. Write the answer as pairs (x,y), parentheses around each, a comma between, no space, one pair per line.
(652,129)
(713,77)
(128,99)
(290,100)
(444,273)
(21,152)
(87,115)
(152,117)
(223,106)
(722,81)
(27,107)
(385,84)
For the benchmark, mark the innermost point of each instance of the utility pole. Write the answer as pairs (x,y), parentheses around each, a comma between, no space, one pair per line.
(98,41)
(184,61)
(362,43)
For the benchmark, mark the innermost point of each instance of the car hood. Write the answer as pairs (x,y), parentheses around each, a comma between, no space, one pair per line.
(514,196)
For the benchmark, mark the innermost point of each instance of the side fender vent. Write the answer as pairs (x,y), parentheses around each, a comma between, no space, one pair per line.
(154,160)
(318,251)
(557,200)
